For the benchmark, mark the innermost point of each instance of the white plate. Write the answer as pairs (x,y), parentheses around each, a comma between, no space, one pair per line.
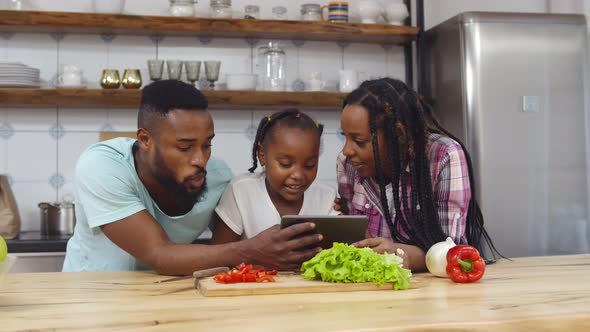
(19,79)
(20,70)
(12,64)
(11,80)
(19,85)
(19,75)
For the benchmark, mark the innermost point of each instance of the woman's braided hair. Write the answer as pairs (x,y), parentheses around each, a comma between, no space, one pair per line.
(290,118)
(406,122)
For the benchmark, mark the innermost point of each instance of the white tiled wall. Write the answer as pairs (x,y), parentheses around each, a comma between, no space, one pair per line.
(39,147)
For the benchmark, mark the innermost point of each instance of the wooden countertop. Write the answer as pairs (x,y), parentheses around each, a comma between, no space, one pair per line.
(541,293)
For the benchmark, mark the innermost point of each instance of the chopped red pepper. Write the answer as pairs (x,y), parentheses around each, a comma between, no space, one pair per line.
(245,273)
(265,278)
(464,264)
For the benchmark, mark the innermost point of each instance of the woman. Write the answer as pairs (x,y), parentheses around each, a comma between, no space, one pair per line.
(393,141)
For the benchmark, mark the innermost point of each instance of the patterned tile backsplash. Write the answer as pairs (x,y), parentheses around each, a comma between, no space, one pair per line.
(39,146)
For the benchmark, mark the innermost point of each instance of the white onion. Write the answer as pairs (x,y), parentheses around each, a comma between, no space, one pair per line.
(436,257)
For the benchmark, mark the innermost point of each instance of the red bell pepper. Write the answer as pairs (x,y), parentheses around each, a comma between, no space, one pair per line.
(464,264)
(245,273)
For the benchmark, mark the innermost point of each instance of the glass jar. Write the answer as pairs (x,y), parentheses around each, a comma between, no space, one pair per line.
(311,12)
(18,5)
(260,65)
(182,7)
(279,13)
(252,12)
(220,9)
(275,71)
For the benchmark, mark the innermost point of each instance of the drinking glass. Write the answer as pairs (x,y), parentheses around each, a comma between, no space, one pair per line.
(155,68)
(279,13)
(193,71)
(110,79)
(174,69)
(131,79)
(212,72)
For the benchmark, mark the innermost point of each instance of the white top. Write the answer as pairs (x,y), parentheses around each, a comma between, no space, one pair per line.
(246,207)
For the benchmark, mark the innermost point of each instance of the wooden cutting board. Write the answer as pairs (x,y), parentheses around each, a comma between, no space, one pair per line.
(286,284)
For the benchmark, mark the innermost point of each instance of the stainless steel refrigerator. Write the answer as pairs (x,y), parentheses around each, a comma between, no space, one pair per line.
(514,89)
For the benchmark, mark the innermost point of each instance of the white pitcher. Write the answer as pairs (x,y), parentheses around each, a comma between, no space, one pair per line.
(70,75)
(396,13)
(370,11)
(349,80)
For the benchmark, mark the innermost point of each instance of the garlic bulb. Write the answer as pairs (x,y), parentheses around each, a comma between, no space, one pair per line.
(436,257)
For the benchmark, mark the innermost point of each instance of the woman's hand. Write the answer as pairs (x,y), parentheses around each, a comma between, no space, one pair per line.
(383,245)
(340,205)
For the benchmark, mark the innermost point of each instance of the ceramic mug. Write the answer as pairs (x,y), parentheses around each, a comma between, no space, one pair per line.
(370,11)
(108,6)
(70,75)
(315,82)
(337,12)
(349,80)
(315,85)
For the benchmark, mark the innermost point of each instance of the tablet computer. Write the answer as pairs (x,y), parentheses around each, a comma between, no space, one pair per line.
(347,229)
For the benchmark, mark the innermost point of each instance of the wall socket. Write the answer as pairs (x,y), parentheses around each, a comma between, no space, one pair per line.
(530,104)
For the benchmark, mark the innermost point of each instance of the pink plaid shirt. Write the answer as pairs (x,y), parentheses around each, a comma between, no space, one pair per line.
(450,187)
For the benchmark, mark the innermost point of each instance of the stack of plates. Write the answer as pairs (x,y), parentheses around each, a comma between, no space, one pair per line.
(16,74)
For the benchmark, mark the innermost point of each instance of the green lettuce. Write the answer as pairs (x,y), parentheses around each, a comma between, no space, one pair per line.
(346,264)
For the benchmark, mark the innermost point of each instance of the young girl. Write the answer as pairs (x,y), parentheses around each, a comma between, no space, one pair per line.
(287,145)
(409,175)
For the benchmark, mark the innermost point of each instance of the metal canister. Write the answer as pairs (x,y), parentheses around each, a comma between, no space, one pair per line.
(57,218)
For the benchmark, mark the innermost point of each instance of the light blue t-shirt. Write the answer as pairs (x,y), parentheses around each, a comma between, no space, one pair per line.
(108,189)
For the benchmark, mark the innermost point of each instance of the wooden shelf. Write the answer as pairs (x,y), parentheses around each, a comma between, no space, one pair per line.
(121,98)
(34,21)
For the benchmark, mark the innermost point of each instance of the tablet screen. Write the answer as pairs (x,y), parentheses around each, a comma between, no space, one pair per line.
(346,229)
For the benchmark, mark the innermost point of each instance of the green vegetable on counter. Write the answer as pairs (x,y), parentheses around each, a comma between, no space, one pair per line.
(347,264)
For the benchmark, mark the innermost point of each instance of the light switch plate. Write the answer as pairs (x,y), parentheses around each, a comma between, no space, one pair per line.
(530,104)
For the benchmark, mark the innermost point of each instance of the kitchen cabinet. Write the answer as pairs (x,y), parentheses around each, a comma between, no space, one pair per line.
(37,252)
(38,262)
(91,23)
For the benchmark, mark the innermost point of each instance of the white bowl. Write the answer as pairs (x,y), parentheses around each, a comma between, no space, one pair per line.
(370,11)
(241,81)
(396,13)
(5,266)
(108,6)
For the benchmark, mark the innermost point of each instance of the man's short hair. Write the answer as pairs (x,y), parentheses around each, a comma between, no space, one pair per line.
(161,97)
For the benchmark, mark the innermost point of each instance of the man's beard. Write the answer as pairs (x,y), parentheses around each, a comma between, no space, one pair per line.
(165,177)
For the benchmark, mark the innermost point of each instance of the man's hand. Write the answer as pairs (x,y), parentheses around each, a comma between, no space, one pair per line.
(283,249)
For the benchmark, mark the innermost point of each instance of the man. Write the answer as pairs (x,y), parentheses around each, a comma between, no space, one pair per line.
(140,203)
